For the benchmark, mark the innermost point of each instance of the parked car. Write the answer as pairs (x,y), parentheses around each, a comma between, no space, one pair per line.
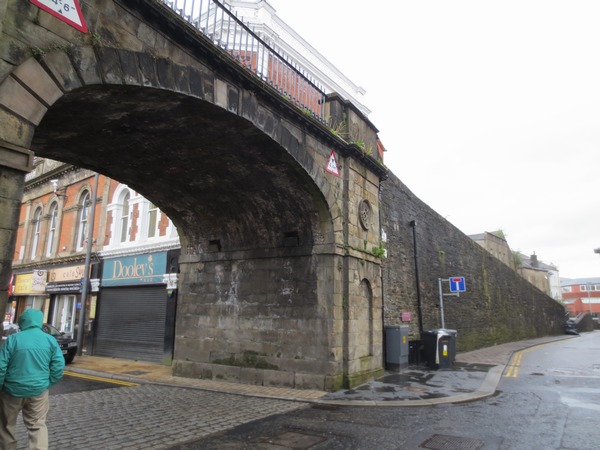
(570,327)
(67,344)
(8,329)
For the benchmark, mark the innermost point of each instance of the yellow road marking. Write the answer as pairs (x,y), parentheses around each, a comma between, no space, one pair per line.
(105,380)
(512,370)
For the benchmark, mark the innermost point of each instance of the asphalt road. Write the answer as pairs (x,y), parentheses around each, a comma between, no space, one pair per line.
(549,398)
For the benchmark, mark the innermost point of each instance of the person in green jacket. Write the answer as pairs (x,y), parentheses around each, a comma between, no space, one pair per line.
(30,362)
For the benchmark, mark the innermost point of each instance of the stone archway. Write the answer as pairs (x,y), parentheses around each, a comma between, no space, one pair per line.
(256,228)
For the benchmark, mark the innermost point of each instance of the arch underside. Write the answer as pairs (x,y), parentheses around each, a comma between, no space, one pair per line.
(215,174)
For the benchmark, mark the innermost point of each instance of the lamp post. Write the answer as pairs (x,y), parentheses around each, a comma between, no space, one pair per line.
(86,270)
(589,286)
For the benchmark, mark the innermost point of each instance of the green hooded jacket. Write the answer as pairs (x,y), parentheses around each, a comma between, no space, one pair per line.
(30,361)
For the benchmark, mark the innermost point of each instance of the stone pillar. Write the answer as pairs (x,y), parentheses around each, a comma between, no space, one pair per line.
(15,162)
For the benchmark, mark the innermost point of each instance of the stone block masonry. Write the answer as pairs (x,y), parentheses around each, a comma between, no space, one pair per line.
(499,305)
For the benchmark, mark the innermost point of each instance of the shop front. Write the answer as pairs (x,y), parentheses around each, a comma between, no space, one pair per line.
(28,291)
(64,288)
(136,309)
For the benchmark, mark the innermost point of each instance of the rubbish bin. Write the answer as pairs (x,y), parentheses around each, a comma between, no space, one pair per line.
(439,348)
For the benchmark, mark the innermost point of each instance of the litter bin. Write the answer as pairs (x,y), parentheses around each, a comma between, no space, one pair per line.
(439,348)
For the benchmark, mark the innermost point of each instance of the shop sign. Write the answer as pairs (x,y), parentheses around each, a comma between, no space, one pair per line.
(132,270)
(30,283)
(60,288)
(62,274)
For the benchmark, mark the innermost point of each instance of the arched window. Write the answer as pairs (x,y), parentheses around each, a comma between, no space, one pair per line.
(125,217)
(82,230)
(52,219)
(35,232)
(153,213)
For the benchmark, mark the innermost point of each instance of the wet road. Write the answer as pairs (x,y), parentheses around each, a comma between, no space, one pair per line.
(547,399)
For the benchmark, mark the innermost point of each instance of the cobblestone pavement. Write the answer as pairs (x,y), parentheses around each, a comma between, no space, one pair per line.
(147,417)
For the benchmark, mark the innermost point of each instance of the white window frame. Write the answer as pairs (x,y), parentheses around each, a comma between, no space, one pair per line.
(52,225)
(82,224)
(35,232)
(125,217)
(153,220)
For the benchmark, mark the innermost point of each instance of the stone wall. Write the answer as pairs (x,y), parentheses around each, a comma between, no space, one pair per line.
(498,306)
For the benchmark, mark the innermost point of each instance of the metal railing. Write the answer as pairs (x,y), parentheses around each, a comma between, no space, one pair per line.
(218,22)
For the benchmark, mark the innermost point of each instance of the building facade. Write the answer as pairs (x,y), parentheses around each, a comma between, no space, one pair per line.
(543,276)
(131,262)
(495,244)
(581,295)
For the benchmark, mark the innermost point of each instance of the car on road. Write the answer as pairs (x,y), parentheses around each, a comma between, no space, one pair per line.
(67,344)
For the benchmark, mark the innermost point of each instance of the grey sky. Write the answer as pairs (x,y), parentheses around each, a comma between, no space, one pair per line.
(490,111)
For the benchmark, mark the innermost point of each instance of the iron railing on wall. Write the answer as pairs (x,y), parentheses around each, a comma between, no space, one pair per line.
(218,22)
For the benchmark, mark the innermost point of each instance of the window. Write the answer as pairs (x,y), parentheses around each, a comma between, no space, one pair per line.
(35,234)
(51,228)
(589,287)
(125,222)
(83,220)
(567,289)
(152,220)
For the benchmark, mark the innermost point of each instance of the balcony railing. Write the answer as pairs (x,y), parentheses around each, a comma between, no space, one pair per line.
(218,22)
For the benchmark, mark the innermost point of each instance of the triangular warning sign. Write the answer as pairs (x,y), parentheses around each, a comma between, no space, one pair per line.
(332,166)
(68,11)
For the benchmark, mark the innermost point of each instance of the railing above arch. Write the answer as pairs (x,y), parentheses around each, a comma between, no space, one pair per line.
(217,21)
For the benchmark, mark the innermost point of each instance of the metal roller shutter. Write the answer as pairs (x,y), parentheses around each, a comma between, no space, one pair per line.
(131,323)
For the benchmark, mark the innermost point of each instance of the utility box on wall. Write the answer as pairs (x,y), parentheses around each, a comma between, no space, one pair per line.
(396,347)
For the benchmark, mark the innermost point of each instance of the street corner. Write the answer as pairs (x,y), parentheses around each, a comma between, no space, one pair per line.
(418,383)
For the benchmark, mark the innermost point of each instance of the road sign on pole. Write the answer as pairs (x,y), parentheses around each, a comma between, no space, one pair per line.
(457,284)
(68,11)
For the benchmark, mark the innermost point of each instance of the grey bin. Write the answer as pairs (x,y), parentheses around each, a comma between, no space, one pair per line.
(396,346)
(439,348)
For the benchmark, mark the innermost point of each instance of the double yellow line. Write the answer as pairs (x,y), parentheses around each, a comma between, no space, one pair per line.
(104,380)
(512,370)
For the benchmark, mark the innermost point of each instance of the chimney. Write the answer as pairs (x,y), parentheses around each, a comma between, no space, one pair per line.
(534,261)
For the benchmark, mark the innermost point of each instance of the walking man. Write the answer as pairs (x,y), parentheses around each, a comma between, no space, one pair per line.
(30,362)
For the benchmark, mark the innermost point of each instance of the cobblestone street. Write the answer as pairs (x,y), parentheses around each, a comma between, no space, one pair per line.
(147,417)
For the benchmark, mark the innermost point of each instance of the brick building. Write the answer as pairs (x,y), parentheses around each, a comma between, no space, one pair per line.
(131,264)
(581,295)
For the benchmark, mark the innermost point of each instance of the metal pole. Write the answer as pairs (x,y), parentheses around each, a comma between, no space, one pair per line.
(441,303)
(86,270)
(589,285)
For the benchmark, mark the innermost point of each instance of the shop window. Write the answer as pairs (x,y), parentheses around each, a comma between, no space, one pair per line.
(64,313)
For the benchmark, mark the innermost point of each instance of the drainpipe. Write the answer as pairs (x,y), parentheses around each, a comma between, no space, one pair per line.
(86,270)
(382,279)
(413,224)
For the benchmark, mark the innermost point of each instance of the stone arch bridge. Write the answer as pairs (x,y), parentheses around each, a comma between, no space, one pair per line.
(279,282)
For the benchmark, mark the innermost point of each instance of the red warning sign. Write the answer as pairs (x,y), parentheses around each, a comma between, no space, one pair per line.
(68,11)
(332,166)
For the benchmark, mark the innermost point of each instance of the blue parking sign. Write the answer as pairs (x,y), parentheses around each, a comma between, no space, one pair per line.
(457,284)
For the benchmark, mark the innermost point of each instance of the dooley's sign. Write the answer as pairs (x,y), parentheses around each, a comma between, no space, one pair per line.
(132,270)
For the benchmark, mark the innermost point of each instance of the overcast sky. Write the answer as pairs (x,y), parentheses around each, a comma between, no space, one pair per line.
(489,110)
